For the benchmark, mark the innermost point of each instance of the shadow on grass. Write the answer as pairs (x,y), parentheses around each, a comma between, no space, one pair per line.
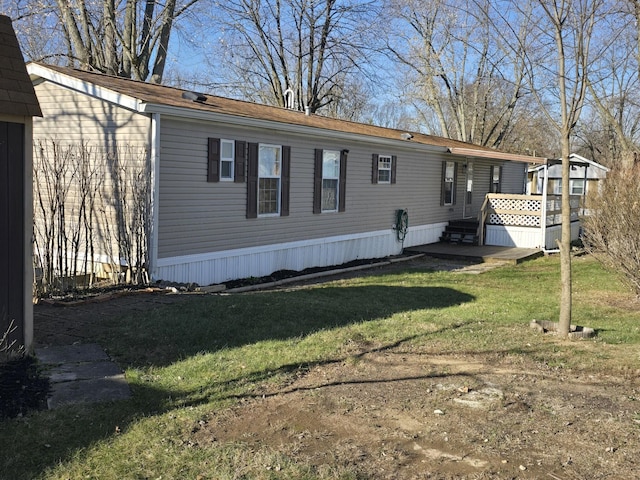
(206,324)
(212,323)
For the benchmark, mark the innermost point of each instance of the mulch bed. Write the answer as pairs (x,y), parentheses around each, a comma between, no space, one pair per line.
(22,388)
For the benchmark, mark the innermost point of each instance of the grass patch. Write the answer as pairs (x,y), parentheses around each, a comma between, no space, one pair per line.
(184,361)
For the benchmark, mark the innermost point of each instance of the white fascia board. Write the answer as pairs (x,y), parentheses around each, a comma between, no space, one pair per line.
(580,158)
(87,88)
(186,113)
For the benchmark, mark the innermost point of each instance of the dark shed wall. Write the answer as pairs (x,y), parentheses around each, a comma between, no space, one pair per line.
(12,228)
(18,104)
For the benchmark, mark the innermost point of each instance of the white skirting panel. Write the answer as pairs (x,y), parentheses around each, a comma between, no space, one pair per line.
(527,237)
(216,267)
(555,233)
(509,236)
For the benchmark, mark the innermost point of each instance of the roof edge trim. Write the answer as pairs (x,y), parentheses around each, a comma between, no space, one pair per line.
(36,70)
(277,125)
(471,152)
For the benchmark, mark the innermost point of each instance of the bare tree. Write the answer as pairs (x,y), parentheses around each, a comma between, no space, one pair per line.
(613,85)
(463,72)
(612,229)
(129,38)
(295,53)
(86,223)
(559,78)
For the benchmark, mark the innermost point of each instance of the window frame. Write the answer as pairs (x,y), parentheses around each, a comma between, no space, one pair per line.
(335,178)
(445,182)
(375,171)
(318,177)
(279,168)
(583,187)
(230,160)
(384,168)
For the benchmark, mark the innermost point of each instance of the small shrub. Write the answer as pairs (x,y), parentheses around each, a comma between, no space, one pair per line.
(612,227)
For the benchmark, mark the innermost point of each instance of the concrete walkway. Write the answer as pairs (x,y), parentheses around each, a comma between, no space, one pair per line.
(81,373)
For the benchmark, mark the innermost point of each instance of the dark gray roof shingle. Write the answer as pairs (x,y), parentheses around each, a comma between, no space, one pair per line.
(17,96)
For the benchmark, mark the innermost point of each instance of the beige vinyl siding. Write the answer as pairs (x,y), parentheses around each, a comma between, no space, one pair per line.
(199,217)
(78,125)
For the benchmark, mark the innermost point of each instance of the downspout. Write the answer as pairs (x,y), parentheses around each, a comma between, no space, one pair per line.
(155,194)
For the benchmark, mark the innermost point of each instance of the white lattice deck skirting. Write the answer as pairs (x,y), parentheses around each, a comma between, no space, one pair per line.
(514,210)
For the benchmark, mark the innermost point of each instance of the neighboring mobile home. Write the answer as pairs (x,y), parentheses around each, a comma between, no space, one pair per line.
(18,104)
(585,176)
(237,189)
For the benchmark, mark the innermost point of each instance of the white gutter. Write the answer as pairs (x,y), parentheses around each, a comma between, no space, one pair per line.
(472,152)
(258,123)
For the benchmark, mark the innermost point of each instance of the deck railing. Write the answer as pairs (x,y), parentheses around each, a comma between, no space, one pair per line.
(524,211)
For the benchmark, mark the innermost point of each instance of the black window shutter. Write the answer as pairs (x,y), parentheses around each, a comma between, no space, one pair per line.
(442,186)
(342,188)
(394,162)
(284,192)
(455,183)
(213,160)
(317,182)
(252,180)
(374,169)
(240,162)
(500,181)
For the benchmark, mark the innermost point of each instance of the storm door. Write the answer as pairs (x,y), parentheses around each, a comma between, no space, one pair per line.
(467,209)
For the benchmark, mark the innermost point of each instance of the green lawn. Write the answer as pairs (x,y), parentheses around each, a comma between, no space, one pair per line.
(188,359)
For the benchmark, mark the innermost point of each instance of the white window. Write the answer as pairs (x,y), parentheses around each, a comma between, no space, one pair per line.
(448,183)
(330,180)
(269,175)
(384,169)
(577,187)
(227,157)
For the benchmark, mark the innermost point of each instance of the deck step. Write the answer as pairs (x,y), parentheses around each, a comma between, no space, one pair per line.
(461,232)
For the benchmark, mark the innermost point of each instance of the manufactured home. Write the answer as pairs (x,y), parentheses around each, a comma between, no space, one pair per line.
(192,187)
(584,176)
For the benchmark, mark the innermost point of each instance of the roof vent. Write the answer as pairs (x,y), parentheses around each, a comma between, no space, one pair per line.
(194,97)
(289,99)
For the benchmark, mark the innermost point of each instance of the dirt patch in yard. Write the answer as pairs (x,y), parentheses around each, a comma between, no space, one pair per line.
(405,414)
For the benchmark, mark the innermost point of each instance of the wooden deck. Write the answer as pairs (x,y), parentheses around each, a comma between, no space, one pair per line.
(479,254)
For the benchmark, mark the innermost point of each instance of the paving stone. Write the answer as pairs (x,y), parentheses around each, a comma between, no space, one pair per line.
(89,391)
(88,352)
(83,371)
